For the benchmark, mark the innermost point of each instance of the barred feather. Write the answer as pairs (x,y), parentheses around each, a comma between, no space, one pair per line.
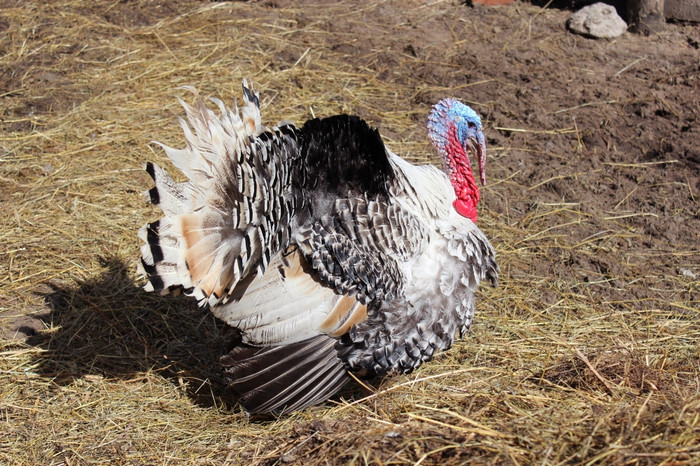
(325,250)
(233,214)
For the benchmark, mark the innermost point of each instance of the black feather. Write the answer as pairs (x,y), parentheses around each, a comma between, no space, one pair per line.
(154,196)
(251,96)
(284,378)
(150,170)
(153,192)
(153,239)
(343,154)
(153,277)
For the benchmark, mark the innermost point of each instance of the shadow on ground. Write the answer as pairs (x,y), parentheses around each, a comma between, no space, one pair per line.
(108,326)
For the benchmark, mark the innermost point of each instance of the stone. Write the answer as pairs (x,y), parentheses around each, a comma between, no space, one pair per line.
(598,20)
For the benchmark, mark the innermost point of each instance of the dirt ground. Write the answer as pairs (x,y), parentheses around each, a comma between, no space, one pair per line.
(592,202)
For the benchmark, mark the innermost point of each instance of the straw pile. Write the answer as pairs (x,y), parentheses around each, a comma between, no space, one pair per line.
(586,353)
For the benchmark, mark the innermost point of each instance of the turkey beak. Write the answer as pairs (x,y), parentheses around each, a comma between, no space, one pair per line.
(477,146)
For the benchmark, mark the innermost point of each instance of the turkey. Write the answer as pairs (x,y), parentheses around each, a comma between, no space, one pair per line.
(331,256)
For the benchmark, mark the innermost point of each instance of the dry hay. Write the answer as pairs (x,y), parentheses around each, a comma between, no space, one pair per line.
(586,353)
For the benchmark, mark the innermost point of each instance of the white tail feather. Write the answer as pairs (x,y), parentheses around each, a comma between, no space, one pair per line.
(219,226)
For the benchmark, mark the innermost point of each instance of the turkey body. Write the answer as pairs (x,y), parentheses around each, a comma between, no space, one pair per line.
(328,253)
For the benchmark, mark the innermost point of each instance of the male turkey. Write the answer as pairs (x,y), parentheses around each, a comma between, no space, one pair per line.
(329,253)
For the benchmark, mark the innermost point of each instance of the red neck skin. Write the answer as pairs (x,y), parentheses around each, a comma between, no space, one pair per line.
(461,176)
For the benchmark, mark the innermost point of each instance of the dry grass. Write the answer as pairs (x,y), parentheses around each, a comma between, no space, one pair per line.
(560,367)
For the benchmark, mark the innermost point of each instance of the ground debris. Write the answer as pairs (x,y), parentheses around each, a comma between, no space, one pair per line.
(586,352)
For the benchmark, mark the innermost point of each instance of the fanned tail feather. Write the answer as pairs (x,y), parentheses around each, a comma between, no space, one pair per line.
(232,214)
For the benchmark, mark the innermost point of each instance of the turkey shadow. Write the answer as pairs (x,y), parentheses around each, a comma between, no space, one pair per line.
(108,326)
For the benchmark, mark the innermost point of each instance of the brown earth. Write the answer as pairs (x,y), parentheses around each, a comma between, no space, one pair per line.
(592,202)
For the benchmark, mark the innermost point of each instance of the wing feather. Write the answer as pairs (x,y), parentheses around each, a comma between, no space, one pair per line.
(361,247)
(289,303)
(284,378)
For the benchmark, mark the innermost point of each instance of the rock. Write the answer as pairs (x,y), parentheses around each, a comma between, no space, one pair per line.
(598,20)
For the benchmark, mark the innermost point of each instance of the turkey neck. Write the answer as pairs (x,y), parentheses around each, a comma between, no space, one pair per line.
(443,131)
(457,165)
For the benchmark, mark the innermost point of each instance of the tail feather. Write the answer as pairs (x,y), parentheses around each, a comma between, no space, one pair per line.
(232,214)
(160,257)
(166,194)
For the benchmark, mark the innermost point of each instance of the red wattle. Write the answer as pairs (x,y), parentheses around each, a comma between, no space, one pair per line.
(465,209)
(461,176)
